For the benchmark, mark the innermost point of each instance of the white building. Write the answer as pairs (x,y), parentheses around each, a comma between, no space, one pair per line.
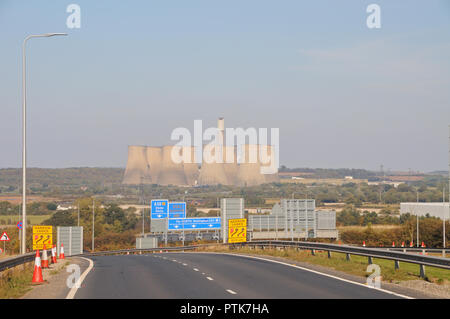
(439,210)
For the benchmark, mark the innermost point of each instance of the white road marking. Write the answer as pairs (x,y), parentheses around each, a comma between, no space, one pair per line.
(184,264)
(319,273)
(209,278)
(195,269)
(231,291)
(74,289)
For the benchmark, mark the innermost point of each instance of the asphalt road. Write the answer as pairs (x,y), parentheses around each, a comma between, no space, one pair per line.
(202,275)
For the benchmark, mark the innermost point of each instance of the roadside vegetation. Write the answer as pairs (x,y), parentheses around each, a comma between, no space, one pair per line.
(16,282)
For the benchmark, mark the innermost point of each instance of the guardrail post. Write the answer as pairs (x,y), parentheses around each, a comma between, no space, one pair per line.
(347,257)
(370,260)
(422,271)
(329,254)
(397,265)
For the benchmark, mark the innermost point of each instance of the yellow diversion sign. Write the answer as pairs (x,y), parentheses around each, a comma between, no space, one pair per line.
(42,235)
(237,230)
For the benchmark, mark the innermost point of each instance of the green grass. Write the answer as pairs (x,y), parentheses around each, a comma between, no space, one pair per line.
(356,266)
(15,283)
(34,219)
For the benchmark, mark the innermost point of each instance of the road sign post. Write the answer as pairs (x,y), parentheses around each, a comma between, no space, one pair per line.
(42,235)
(195,223)
(4,238)
(159,208)
(237,230)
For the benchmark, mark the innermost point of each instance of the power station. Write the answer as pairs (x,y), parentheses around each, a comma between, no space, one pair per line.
(154,165)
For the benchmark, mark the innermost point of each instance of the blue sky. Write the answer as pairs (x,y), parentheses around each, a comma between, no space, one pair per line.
(342,95)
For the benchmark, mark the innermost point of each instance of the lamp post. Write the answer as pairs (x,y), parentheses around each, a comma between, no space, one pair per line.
(417,218)
(443,221)
(24,135)
(93,223)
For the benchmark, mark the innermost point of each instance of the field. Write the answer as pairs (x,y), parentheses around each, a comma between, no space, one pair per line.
(17,199)
(34,219)
(327,181)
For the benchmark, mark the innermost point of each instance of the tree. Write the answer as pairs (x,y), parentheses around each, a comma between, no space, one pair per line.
(52,206)
(63,218)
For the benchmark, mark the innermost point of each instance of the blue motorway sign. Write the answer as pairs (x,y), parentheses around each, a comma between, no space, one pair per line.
(160,208)
(194,223)
(177,210)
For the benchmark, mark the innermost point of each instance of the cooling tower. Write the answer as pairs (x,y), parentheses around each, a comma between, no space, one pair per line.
(137,168)
(171,173)
(231,169)
(212,173)
(154,161)
(249,173)
(191,170)
(267,151)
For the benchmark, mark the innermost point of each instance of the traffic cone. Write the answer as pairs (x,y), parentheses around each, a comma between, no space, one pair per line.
(364,243)
(54,261)
(61,253)
(393,244)
(403,244)
(411,244)
(423,245)
(44,258)
(37,274)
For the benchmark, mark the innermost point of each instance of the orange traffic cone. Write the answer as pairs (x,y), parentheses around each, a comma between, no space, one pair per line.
(393,244)
(411,244)
(61,253)
(54,261)
(423,245)
(44,258)
(403,244)
(37,274)
(364,243)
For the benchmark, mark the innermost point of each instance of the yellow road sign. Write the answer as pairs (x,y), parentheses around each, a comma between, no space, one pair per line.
(42,235)
(237,230)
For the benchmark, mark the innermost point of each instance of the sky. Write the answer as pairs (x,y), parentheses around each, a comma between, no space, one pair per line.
(341,94)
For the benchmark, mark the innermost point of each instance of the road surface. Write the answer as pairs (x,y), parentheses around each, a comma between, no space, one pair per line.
(204,275)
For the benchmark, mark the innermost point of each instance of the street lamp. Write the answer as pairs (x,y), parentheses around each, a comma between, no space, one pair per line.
(417,218)
(24,135)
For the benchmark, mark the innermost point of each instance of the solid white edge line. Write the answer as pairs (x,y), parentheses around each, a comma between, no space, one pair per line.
(74,289)
(327,275)
(313,271)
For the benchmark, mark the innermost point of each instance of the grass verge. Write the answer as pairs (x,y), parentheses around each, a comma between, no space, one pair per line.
(16,282)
